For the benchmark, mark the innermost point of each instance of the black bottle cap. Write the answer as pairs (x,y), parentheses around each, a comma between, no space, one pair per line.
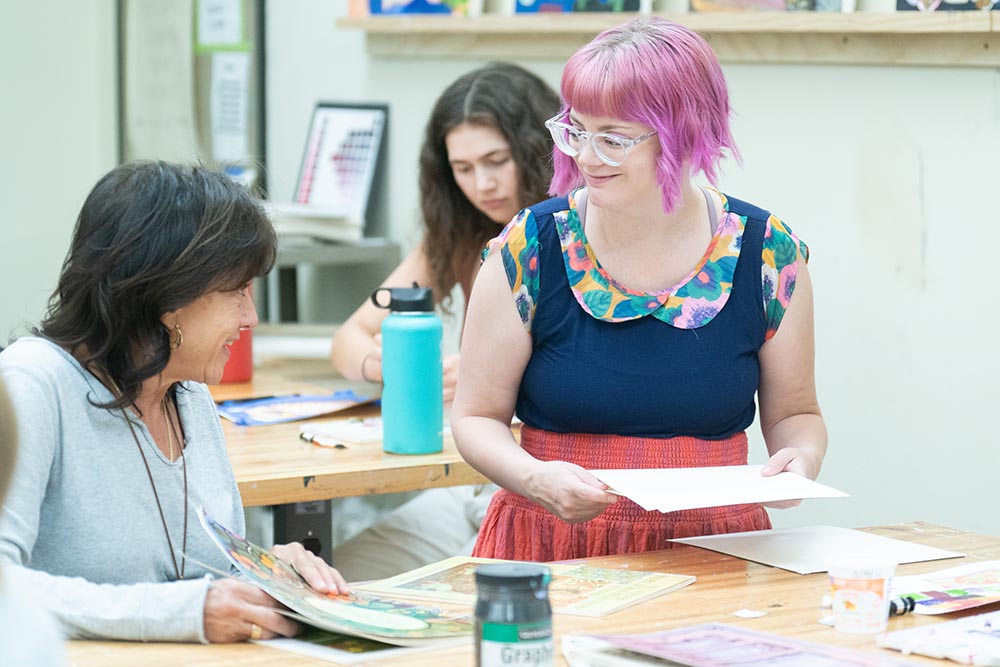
(530,575)
(406,299)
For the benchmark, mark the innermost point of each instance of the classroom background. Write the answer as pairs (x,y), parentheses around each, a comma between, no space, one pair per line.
(884,170)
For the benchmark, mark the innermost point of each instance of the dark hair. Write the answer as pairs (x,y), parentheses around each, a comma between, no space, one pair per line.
(515,102)
(151,237)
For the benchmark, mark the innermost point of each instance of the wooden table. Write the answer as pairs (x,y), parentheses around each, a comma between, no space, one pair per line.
(274,466)
(724,585)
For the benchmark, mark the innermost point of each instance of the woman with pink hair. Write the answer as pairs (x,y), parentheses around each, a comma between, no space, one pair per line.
(631,320)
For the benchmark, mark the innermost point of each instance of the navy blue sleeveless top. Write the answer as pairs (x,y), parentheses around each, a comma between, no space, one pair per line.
(643,377)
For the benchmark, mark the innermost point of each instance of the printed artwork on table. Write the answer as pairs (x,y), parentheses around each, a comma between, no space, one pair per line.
(376,617)
(972,640)
(573,589)
(718,645)
(280,409)
(954,589)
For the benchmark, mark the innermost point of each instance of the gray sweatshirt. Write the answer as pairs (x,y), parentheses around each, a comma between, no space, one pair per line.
(80,520)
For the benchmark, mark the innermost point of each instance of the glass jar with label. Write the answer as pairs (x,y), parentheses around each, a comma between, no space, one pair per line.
(513,615)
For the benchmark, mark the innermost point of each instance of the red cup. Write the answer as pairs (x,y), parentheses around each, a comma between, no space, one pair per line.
(239,368)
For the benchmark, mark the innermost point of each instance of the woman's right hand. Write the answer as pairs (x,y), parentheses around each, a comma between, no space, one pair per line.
(233,608)
(568,491)
(371,365)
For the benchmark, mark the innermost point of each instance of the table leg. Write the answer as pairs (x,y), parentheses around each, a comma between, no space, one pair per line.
(308,523)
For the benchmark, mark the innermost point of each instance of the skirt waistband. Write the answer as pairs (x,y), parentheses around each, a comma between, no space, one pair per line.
(598,451)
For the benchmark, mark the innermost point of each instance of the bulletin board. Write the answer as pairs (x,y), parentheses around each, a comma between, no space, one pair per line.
(191,84)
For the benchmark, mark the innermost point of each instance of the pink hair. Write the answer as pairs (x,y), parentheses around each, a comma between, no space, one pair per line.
(661,74)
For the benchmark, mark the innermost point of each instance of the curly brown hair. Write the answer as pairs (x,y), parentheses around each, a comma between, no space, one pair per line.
(516,103)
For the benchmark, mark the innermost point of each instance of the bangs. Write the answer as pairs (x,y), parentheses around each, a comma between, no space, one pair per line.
(241,248)
(238,277)
(613,77)
(591,86)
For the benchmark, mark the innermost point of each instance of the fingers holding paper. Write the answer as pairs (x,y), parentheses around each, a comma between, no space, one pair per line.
(236,611)
(312,568)
(568,491)
(787,459)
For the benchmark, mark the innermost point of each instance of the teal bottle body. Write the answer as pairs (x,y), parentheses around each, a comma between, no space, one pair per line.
(412,407)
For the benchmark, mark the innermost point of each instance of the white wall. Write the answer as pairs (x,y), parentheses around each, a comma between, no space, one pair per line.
(58,135)
(884,171)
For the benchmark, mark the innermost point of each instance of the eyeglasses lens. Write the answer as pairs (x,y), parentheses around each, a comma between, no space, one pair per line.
(608,148)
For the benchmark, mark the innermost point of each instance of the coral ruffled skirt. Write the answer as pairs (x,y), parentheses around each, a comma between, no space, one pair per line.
(518,529)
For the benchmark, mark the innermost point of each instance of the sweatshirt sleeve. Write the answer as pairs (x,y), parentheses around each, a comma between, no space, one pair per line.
(171,611)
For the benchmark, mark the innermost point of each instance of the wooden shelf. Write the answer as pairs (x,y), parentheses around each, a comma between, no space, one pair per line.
(905,38)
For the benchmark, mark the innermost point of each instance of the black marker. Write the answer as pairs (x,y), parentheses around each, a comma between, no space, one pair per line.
(901,605)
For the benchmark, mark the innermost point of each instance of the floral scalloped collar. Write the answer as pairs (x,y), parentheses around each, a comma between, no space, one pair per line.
(691,303)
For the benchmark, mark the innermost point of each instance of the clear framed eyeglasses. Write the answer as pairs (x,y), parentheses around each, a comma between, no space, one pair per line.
(611,149)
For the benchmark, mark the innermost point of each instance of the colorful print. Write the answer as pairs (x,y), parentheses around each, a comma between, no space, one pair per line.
(690,304)
(373,617)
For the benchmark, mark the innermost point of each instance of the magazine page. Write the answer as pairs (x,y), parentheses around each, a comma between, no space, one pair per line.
(716,645)
(973,640)
(363,615)
(279,409)
(334,647)
(954,589)
(575,589)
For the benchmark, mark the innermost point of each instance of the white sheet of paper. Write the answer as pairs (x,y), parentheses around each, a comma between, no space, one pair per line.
(809,549)
(672,489)
(220,23)
(230,95)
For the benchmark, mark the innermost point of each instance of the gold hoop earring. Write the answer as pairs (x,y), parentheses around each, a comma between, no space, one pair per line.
(174,344)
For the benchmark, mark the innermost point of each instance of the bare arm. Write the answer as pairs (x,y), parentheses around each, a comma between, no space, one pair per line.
(790,417)
(495,351)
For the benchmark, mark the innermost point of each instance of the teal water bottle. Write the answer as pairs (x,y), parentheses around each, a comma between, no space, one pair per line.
(412,406)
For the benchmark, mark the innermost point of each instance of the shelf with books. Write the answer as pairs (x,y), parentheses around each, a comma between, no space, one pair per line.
(966,39)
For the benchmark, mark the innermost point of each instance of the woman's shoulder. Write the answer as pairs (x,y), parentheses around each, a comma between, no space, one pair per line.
(778,236)
(549,207)
(198,397)
(40,358)
(746,210)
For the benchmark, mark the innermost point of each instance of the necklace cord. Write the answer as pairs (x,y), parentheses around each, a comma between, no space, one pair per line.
(159,506)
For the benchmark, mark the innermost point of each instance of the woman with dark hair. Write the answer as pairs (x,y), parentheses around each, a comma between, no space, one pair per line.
(486,154)
(632,320)
(120,437)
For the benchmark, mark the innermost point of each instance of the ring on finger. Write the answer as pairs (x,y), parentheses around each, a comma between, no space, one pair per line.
(255,631)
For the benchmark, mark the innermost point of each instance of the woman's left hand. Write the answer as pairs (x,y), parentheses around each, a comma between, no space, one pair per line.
(788,459)
(312,568)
